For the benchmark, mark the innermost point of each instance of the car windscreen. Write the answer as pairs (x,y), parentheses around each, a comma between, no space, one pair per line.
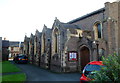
(22,57)
(89,68)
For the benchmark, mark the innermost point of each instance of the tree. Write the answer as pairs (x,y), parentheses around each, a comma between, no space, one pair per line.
(111,71)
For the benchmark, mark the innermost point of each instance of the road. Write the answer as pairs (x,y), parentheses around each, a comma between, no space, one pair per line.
(35,73)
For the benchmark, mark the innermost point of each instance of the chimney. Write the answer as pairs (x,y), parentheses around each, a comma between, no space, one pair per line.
(4,38)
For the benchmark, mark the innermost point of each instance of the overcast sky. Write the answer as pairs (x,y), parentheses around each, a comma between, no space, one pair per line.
(20,17)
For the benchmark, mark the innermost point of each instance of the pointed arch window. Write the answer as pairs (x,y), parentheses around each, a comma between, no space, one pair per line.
(56,40)
(56,43)
(97,30)
(44,43)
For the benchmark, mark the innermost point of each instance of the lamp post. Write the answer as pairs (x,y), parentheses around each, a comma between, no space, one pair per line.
(97,44)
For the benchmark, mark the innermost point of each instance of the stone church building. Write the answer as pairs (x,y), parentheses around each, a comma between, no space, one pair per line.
(68,47)
(37,47)
(45,47)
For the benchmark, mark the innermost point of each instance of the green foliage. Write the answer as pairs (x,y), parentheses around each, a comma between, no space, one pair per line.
(16,78)
(110,73)
(8,67)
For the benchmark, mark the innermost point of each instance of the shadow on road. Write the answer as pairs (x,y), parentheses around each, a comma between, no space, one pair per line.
(37,74)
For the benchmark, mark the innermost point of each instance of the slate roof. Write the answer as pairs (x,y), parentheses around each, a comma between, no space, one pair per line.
(40,33)
(73,26)
(5,43)
(49,31)
(73,31)
(14,44)
(87,15)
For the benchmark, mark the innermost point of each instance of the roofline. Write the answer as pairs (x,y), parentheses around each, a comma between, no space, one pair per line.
(87,15)
(96,63)
(15,41)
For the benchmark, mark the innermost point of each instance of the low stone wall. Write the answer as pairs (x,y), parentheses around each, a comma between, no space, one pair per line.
(56,68)
(44,65)
(70,69)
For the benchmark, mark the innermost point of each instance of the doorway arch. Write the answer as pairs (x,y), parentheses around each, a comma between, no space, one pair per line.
(84,56)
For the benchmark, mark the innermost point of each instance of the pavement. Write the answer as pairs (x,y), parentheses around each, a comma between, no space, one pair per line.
(37,74)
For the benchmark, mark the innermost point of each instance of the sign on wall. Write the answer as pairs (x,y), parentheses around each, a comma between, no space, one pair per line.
(72,56)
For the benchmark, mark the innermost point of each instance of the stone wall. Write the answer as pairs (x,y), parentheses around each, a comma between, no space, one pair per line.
(113,22)
(5,51)
(109,17)
(45,47)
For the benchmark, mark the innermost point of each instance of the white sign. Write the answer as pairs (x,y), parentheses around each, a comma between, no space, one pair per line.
(72,56)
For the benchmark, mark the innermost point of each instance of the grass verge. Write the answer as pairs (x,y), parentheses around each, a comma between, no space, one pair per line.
(8,67)
(14,78)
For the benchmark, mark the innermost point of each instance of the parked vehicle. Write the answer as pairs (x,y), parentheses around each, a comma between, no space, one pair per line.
(90,68)
(21,58)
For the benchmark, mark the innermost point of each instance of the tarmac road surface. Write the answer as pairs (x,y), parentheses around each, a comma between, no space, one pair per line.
(35,73)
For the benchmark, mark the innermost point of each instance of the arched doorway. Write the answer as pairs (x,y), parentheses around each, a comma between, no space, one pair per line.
(84,56)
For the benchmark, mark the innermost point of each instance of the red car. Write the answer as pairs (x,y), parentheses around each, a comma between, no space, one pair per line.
(88,69)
